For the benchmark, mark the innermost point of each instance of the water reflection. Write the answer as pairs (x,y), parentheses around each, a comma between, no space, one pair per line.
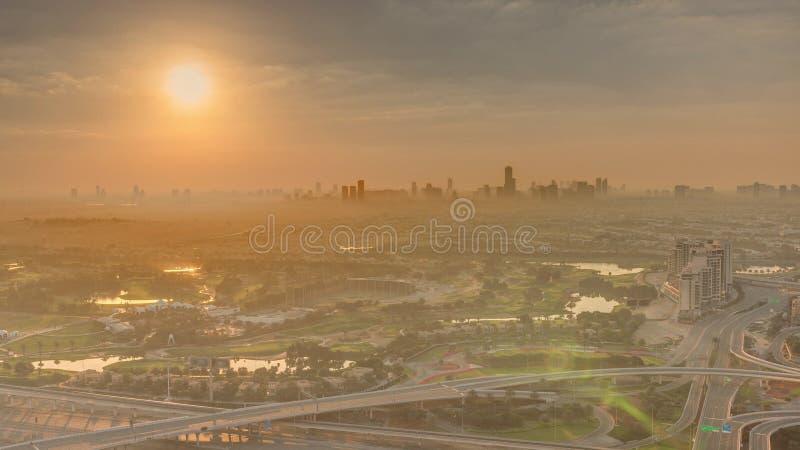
(593,304)
(182,270)
(582,303)
(612,269)
(99,364)
(82,364)
(764,269)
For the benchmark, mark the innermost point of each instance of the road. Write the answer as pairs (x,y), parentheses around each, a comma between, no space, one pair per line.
(120,436)
(86,399)
(696,350)
(711,342)
(761,433)
(776,347)
(446,439)
(721,392)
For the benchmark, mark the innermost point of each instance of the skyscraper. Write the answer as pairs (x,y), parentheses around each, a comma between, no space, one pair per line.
(510,183)
(361,191)
(413,188)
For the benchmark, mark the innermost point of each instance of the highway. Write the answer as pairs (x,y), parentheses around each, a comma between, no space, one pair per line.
(741,421)
(89,399)
(721,392)
(776,347)
(696,350)
(761,433)
(169,428)
(710,343)
(773,282)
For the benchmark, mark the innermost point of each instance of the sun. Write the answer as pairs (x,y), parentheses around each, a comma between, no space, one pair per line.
(187,85)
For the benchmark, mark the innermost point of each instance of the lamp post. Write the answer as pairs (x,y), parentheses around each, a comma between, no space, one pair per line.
(463,409)
(555,419)
(652,424)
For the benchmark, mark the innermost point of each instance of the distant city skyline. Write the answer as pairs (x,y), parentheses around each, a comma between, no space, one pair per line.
(287,93)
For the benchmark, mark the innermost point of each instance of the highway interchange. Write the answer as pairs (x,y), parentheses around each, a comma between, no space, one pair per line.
(706,358)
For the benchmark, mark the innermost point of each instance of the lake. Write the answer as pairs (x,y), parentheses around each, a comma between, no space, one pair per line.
(593,304)
(581,303)
(99,364)
(764,269)
(612,269)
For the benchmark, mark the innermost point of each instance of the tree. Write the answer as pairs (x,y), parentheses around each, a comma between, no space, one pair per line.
(23,368)
(533,294)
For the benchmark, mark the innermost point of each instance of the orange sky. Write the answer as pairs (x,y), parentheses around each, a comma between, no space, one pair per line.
(649,93)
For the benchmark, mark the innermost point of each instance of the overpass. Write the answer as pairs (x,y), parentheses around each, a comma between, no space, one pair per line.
(757,280)
(194,425)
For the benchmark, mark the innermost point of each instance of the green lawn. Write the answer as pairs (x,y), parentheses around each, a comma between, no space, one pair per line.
(27,323)
(558,361)
(262,349)
(338,323)
(541,432)
(36,378)
(84,334)
(355,347)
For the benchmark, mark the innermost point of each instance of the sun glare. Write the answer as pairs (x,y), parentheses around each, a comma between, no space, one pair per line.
(187,85)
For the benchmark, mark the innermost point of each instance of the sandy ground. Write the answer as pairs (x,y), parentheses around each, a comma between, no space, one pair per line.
(662,317)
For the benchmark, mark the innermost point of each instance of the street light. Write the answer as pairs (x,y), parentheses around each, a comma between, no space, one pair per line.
(555,418)
(652,423)
(463,409)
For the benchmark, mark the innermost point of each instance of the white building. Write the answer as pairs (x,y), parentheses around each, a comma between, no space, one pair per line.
(704,272)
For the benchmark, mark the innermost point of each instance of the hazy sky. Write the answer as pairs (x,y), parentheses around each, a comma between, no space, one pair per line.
(649,93)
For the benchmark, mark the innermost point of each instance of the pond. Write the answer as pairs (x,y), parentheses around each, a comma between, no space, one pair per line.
(204,291)
(279,364)
(189,270)
(580,303)
(99,364)
(612,269)
(120,301)
(82,364)
(14,266)
(592,304)
(764,269)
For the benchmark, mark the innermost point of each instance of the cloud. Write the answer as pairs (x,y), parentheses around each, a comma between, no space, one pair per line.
(56,132)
